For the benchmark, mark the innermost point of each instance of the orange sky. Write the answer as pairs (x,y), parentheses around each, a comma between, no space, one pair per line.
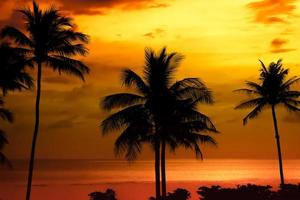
(222,42)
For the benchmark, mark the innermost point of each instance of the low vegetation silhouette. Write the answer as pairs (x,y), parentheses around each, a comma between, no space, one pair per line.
(109,194)
(250,192)
(178,194)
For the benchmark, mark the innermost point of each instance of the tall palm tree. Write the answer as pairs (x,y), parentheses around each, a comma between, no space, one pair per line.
(272,90)
(50,41)
(142,113)
(147,113)
(5,115)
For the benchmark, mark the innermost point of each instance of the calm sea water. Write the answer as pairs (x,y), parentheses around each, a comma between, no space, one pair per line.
(98,174)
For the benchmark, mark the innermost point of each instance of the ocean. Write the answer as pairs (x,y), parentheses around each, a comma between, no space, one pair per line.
(75,179)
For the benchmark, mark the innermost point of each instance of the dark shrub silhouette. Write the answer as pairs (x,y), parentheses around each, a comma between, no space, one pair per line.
(178,194)
(243,192)
(250,192)
(288,192)
(109,194)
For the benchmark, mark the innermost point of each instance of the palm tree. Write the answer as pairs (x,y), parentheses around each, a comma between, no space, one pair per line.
(50,41)
(147,113)
(272,90)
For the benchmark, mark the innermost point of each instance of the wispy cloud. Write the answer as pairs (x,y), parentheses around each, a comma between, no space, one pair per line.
(272,11)
(278,46)
(158,32)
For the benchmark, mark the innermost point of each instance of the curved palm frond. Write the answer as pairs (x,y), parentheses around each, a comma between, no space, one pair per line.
(254,113)
(68,65)
(16,35)
(250,103)
(124,117)
(130,78)
(121,100)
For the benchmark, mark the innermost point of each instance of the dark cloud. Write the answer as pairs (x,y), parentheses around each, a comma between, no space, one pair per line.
(272,11)
(277,46)
(96,7)
(75,7)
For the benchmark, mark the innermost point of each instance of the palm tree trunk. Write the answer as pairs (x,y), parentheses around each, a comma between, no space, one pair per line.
(163,170)
(35,132)
(278,146)
(157,166)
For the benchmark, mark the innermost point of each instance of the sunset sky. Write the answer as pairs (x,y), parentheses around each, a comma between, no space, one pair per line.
(221,41)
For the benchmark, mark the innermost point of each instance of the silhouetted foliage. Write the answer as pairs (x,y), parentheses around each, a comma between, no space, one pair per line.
(178,194)
(12,69)
(5,115)
(50,40)
(272,90)
(109,194)
(288,192)
(250,192)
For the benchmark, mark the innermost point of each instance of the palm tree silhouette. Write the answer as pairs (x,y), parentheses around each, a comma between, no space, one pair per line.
(273,90)
(150,114)
(50,41)
(8,116)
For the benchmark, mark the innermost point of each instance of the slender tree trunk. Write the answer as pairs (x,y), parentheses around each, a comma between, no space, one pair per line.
(35,132)
(163,170)
(278,146)
(157,166)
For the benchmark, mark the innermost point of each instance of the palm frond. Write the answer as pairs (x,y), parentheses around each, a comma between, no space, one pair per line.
(291,107)
(130,78)
(250,103)
(121,100)
(129,142)
(5,114)
(67,65)
(254,86)
(122,118)
(18,36)
(254,113)
(286,85)
(247,91)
